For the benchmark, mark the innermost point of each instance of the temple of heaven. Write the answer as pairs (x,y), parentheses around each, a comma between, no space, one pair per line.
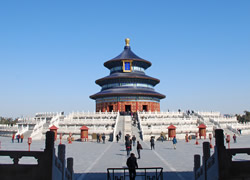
(127,88)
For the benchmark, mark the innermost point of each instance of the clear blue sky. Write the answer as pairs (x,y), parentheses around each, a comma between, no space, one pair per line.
(51,52)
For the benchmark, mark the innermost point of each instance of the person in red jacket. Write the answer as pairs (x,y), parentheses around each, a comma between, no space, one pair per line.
(13,137)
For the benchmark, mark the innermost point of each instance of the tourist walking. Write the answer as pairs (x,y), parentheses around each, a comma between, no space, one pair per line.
(120,134)
(22,138)
(132,165)
(117,138)
(174,142)
(127,137)
(162,138)
(13,137)
(234,137)
(103,138)
(152,143)
(18,138)
(133,139)
(98,137)
(128,147)
(139,147)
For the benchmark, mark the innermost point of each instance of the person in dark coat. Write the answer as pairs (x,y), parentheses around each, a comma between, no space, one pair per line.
(103,138)
(128,147)
(130,140)
(98,137)
(132,165)
(139,147)
(152,143)
(120,134)
(133,139)
(117,138)
(18,138)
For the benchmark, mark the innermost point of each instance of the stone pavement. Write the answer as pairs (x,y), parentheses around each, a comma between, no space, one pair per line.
(92,159)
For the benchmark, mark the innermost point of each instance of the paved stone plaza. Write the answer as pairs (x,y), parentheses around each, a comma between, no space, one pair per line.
(92,159)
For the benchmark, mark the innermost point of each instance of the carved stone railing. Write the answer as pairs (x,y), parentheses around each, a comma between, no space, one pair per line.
(48,166)
(221,165)
(115,127)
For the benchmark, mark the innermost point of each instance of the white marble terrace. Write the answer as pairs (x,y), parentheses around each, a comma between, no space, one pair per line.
(150,123)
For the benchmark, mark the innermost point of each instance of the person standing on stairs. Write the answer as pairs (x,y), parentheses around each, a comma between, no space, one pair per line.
(120,134)
(117,138)
(133,139)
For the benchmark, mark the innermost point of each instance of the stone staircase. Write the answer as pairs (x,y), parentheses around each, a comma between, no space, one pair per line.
(207,121)
(27,134)
(120,127)
(127,125)
(136,132)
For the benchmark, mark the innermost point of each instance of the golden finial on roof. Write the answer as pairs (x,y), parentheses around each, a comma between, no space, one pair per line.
(127,41)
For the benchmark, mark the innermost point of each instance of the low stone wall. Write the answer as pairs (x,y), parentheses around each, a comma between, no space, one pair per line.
(48,166)
(220,165)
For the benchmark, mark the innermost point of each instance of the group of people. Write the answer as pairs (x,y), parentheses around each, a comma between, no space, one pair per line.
(132,161)
(227,138)
(152,142)
(99,137)
(18,137)
(130,142)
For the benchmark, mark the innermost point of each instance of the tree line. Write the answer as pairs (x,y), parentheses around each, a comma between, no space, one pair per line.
(244,118)
(6,120)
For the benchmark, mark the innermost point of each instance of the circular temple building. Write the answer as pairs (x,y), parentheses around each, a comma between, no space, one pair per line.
(127,88)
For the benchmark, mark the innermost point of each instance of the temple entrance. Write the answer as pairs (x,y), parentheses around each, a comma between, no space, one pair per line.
(145,108)
(127,108)
(110,108)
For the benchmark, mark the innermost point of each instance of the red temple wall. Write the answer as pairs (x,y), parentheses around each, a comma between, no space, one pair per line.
(151,106)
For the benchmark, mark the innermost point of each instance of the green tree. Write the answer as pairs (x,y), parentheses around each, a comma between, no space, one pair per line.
(244,118)
(6,120)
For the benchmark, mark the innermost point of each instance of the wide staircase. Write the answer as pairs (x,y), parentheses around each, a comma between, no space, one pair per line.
(120,127)
(126,126)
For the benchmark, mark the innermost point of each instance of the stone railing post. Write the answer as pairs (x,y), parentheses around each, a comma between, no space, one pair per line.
(197,164)
(70,167)
(206,156)
(61,157)
(219,138)
(222,156)
(206,150)
(49,156)
(49,144)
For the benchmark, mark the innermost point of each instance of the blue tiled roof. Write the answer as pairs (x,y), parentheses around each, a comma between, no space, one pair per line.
(125,91)
(127,54)
(117,76)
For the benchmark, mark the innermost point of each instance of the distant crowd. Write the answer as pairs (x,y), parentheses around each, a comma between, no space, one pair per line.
(18,137)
